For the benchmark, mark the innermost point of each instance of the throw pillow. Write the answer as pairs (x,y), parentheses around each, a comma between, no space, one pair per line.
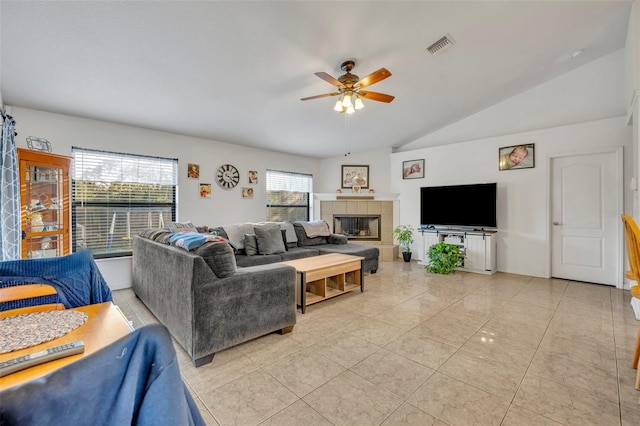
(182,227)
(284,239)
(220,258)
(269,239)
(250,244)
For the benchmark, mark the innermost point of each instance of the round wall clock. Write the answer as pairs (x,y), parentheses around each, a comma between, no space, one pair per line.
(227,176)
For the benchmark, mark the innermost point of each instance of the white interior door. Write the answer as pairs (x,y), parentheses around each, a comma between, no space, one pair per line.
(585,204)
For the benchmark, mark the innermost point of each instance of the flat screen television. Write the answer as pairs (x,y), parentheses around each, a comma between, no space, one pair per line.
(459,206)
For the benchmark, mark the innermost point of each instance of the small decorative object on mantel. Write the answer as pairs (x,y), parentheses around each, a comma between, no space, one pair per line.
(516,157)
(38,144)
(371,191)
(355,189)
(338,191)
(355,175)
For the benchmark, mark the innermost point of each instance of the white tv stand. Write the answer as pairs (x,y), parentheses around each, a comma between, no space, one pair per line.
(479,247)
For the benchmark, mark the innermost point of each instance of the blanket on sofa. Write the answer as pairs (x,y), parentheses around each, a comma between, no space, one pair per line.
(75,277)
(316,228)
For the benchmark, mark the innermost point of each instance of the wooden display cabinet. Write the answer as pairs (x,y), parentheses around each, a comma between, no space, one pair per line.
(44,203)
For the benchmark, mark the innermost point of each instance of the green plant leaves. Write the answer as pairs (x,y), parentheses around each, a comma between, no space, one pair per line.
(444,258)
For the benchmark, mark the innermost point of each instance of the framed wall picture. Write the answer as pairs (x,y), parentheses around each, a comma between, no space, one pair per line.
(413,169)
(38,144)
(253,177)
(516,157)
(355,176)
(193,171)
(205,190)
(247,192)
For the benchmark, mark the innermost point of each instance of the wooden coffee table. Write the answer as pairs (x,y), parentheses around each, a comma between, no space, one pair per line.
(105,324)
(325,276)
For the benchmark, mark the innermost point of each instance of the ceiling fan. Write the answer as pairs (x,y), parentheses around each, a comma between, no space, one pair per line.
(350,88)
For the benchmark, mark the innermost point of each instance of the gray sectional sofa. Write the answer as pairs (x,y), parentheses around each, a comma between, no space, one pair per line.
(223,293)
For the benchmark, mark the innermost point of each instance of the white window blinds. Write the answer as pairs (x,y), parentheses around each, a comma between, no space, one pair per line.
(287,181)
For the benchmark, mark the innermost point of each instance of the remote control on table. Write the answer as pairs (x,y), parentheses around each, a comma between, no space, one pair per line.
(26,361)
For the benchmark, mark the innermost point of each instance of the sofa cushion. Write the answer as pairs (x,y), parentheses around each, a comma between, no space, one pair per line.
(269,239)
(368,252)
(250,244)
(243,261)
(337,239)
(299,253)
(220,258)
(235,233)
(182,226)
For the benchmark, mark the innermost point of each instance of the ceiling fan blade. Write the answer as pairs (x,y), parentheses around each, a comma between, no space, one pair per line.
(326,95)
(326,77)
(373,78)
(375,96)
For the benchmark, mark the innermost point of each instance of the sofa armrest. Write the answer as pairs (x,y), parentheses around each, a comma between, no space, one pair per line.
(254,301)
(337,239)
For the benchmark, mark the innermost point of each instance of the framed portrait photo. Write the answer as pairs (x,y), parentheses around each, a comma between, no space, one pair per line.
(247,192)
(205,190)
(253,177)
(516,157)
(413,169)
(355,176)
(193,171)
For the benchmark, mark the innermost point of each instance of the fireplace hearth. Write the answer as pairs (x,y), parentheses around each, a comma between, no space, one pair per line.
(358,227)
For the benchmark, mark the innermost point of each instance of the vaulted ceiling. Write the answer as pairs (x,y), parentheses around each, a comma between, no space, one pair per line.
(234,71)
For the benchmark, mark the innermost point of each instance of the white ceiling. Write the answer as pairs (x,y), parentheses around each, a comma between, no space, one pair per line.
(234,71)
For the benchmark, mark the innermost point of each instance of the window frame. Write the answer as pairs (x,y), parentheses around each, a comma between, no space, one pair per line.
(309,193)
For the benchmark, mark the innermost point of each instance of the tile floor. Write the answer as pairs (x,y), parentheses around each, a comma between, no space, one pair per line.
(424,349)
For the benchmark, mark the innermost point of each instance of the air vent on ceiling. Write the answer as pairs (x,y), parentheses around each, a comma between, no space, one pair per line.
(441,45)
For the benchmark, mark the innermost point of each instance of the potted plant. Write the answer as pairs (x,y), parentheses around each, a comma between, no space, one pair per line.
(444,258)
(404,235)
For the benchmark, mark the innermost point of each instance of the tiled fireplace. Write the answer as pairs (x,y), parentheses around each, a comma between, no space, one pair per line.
(364,221)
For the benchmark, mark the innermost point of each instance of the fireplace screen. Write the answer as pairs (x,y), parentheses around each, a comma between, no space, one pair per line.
(361,227)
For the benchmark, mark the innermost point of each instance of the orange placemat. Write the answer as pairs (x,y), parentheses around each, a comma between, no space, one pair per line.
(23,331)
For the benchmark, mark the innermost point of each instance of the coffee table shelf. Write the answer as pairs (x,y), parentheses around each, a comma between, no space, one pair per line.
(326,276)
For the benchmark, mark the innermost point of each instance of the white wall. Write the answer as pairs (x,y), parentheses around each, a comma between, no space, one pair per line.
(331,170)
(224,206)
(522,194)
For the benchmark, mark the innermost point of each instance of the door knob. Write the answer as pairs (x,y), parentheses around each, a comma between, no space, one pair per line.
(556,223)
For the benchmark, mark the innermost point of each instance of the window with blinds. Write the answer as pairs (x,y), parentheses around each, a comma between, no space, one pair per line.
(115,195)
(288,196)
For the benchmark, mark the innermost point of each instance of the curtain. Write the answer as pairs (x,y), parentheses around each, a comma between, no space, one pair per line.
(9,192)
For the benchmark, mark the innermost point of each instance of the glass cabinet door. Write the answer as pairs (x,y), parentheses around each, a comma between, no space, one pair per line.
(45,224)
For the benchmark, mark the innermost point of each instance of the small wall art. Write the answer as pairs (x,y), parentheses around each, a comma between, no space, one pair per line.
(516,157)
(253,177)
(355,176)
(413,169)
(247,192)
(205,190)
(193,171)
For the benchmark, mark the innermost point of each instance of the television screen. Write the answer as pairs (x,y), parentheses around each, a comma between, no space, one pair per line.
(464,206)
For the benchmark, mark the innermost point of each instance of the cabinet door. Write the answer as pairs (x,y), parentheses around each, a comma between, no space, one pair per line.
(429,240)
(475,252)
(45,205)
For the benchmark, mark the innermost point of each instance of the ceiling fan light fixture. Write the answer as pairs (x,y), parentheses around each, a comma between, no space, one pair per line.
(346,101)
(338,107)
(358,103)
(350,109)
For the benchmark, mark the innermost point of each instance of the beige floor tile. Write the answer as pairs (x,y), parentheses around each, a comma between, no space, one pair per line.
(351,400)
(499,379)
(298,413)
(565,404)
(518,416)
(345,349)
(248,400)
(408,415)
(452,328)
(631,414)
(226,366)
(400,318)
(423,350)
(502,346)
(599,382)
(597,356)
(303,371)
(457,403)
(393,372)
(376,332)
(268,349)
